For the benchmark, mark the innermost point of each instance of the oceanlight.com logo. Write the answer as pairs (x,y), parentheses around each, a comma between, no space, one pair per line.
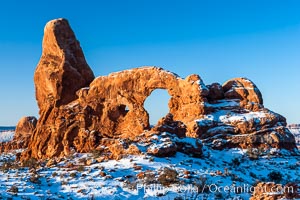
(245,188)
(154,189)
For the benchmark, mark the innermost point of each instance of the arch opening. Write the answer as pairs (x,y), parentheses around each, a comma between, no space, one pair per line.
(156,105)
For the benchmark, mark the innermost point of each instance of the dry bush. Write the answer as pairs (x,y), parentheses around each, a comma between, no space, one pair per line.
(14,189)
(168,177)
(30,163)
(8,164)
(35,178)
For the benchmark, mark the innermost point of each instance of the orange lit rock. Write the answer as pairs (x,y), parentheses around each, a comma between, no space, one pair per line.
(82,113)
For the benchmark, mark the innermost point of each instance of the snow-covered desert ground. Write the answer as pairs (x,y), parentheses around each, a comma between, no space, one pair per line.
(87,176)
(226,174)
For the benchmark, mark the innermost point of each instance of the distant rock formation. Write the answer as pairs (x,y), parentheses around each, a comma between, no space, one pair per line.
(23,132)
(25,127)
(295,130)
(78,112)
(294,126)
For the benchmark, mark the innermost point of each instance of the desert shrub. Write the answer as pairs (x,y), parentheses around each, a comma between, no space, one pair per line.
(202,184)
(235,162)
(275,176)
(62,175)
(254,153)
(130,184)
(235,177)
(64,183)
(13,189)
(30,163)
(149,177)
(82,160)
(151,159)
(293,167)
(178,198)
(168,176)
(97,153)
(73,175)
(80,168)
(35,179)
(7,165)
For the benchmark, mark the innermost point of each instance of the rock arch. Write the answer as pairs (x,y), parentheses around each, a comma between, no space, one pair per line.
(132,87)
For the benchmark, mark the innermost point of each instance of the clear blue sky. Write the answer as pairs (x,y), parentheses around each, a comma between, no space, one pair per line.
(218,40)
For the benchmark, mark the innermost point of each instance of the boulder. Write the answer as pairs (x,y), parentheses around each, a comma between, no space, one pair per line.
(229,126)
(244,90)
(167,124)
(168,144)
(25,127)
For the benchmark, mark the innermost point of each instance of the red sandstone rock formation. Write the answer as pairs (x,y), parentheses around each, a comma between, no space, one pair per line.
(81,114)
(244,90)
(62,69)
(100,112)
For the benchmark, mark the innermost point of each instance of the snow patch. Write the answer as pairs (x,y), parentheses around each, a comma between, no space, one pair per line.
(6,136)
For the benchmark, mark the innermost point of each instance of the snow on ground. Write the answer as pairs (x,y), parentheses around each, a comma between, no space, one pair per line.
(142,176)
(228,118)
(6,136)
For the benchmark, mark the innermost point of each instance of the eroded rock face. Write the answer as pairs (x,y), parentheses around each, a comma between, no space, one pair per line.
(62,69)
(80,114)
(215,92)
